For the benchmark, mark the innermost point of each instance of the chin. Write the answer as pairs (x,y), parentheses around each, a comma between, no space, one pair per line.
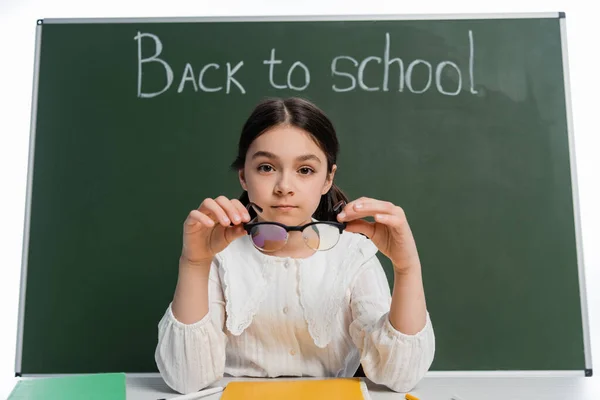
(291,220)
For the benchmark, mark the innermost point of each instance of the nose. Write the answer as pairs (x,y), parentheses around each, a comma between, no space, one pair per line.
(284,185)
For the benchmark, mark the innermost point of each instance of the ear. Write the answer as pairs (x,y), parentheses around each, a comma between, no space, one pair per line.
(329,180)
(242,178)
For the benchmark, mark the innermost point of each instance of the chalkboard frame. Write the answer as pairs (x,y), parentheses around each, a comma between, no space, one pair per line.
(573,166)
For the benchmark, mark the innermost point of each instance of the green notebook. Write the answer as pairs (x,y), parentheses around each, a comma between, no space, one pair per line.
(77,387)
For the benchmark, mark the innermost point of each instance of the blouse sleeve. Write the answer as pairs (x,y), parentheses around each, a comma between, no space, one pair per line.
(389,357)
(192,356)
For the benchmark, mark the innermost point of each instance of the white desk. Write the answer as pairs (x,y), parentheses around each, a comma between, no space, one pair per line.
(550,388)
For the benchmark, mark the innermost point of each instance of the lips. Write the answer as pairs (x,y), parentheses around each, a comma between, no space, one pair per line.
(284,207)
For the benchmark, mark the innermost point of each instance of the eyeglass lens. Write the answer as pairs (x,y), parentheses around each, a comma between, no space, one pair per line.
(271,237)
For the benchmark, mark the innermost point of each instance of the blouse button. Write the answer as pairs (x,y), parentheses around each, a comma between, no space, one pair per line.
(287,264)
(293,352)
(285,310)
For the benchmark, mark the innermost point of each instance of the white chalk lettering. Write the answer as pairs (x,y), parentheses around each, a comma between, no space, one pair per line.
(271,63)
(203,87)
(335,72)
(361,71)
(418,76)
(230,77)
(438,78)
(306,76)
(386,64)
(188,75)
(409,71)
(370,73)
(472,61)
(154,58)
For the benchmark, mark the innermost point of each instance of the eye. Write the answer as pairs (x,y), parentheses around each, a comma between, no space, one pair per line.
(306,171)
(265,168)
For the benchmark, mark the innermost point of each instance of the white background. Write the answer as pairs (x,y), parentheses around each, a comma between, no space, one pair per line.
(17,38)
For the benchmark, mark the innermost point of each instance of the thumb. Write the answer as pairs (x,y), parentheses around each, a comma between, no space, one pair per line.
(361,226)
(234,232)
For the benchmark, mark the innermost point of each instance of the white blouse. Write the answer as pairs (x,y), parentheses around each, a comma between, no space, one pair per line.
(272,316)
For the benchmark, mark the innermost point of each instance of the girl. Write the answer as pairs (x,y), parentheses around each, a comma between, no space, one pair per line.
(276,297)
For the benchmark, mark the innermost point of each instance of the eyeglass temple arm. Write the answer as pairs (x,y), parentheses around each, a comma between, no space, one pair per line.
(341,204)
(255,206)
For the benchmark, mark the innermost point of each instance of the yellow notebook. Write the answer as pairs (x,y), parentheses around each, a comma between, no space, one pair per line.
(325,389)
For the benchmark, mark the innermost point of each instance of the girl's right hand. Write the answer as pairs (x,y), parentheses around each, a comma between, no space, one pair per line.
(208,230)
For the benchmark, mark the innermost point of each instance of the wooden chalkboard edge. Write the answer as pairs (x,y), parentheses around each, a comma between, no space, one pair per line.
(587,349)
(293,18)
(27,219)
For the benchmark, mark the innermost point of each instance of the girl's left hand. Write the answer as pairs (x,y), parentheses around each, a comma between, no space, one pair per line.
(390,232)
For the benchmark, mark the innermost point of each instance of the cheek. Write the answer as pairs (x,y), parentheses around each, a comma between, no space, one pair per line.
(258,185)
(315,189)
(313,186)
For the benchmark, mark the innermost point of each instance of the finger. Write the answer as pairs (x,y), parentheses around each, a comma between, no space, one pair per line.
(361,226)
(196,217)
(230,209)
(391,220)
(211,208)
(366,208)
(351,204)
(360,201)
(348,207)
(241,209)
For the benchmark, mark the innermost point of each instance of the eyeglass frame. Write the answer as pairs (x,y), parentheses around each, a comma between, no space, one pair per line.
(298,228)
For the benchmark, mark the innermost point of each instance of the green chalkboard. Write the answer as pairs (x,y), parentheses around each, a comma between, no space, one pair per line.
(462,122)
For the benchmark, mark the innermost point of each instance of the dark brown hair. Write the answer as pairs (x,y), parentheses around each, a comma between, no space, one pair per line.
(301,114)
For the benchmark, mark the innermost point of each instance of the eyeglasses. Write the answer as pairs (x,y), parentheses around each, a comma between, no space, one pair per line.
(272,236)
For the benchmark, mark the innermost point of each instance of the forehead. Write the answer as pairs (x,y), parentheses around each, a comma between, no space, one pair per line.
(286,142)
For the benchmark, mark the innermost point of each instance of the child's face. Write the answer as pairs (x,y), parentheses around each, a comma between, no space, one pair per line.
(285,166)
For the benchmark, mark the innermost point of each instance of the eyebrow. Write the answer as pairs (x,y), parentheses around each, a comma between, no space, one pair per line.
(268,154)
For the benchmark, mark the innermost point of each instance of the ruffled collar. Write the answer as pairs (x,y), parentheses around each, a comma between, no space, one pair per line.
(324,278)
